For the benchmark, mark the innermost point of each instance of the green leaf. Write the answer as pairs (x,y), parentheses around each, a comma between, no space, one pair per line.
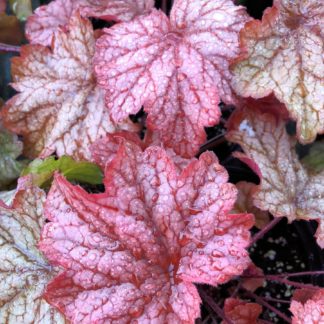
(315,159)
(43,171)
(10,149)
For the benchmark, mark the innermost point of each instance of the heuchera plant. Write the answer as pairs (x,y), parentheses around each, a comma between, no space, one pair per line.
(135,98)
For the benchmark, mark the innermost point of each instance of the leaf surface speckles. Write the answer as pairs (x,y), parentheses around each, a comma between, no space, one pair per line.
(24,272)
(284,54)
(131,254)
(177,68)
(47,20)
(59,106)
(286,188)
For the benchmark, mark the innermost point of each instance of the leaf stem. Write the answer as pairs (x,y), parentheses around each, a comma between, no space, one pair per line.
(262,302)
(164,6)
(214,306)
(9,48)
(265,230)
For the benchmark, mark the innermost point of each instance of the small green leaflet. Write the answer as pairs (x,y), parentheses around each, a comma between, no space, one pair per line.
(10,149)
(43,170)
(315,159)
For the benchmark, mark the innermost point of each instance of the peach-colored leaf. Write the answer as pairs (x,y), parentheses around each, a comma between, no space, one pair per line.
(177,68)
(283,54)
(310,310)
(46,20)
(241,312)
(131,254)
(286,188)
(24,272)
(244,204)
(59,106)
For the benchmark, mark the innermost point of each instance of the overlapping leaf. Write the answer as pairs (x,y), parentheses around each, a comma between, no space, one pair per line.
(10,149)
(244,203)
(24,272)
(42,171)
(314,160)
(308,306)
(48,19)
(286,188)
(105,149)
(241,312)
(284,54)
(132,253)
(59,106)
(177,68)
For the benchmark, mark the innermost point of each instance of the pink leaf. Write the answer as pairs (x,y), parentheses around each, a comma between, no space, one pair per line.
(134,251)
(46,20)
(59,106)
(241,312)
(287,188)
(283,54)
(105,149)
(177,68)
(307,306)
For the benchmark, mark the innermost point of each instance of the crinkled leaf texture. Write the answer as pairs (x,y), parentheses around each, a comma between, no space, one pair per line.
(24,272)
(46,20)
(59,106)
(286,188)
(310,310)
(105,149)
(241,312)
(283,54)
(177,68)
(132,253)
(10,149)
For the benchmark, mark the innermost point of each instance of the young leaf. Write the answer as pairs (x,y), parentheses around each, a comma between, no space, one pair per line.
(308,309)
(42,171)
(6,197)
(24,272)
(132,253)
(286,188)
(105,149)
(283,54)
(10,149)
(241,312)
(59,106)
(244,204)
(46,20)
(177,68)
(315,159)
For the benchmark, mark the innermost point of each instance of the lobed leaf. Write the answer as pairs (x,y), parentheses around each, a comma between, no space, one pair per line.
(283,54)
(176,68)
(286,188)
(24,272)
(48,19)
(59,106)
(132,253)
